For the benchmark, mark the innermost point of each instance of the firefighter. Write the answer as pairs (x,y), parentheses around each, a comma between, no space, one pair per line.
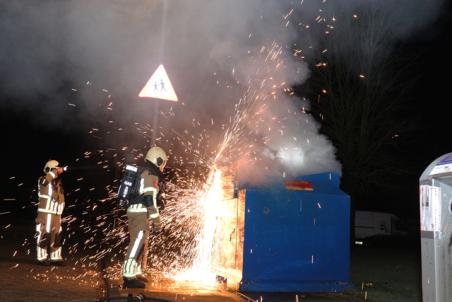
(48,220)
(141,212)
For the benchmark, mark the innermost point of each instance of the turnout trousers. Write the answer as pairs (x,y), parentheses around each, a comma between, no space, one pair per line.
(48,236)
(137,252)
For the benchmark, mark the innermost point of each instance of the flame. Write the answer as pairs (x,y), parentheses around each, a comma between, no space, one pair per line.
(202,268)
(220,242)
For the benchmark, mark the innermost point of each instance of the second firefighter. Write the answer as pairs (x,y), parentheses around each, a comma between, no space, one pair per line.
(142,210)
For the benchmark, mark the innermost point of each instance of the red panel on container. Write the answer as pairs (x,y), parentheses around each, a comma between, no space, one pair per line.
(298,185)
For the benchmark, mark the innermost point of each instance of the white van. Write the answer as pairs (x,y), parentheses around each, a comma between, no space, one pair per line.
(368,224)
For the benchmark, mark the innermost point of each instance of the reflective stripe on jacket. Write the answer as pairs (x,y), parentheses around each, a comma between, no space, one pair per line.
(51,194)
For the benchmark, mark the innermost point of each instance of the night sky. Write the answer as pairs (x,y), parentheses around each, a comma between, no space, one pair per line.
(32,134)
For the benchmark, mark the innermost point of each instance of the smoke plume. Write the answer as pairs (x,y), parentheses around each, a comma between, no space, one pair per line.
(73,59)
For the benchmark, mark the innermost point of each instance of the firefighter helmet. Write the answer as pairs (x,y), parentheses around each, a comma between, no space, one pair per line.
(51,164)
(157,156)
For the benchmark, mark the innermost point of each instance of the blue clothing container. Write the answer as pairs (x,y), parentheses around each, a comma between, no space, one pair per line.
(297,236)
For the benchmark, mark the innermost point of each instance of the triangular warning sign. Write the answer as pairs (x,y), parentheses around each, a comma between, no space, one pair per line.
(159,86)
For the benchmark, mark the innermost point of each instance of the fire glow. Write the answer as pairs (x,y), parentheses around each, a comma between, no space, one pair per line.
(213,254)
(201,271)
(202,223)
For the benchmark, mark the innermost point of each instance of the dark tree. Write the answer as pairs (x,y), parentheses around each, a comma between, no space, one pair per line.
(359,93)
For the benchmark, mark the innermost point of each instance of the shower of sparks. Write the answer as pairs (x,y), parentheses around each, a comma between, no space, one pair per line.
(202,270)
(187,248)
(198,212)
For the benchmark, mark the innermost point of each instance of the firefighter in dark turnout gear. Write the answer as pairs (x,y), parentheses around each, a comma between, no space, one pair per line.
(141,211)
(50,208)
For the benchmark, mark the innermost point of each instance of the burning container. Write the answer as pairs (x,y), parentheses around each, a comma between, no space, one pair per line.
(290,237)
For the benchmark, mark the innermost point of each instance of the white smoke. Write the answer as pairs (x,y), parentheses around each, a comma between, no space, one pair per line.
(211,50)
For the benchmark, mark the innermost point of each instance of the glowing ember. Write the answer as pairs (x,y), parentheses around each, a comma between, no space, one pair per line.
(202,223)
(202,270)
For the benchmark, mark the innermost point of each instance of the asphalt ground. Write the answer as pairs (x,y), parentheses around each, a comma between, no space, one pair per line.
(381,272)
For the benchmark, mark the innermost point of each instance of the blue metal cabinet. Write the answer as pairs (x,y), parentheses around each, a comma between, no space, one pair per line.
(297,240)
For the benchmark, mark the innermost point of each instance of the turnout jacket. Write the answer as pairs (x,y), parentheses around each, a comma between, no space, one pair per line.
(148,190)
(51,194)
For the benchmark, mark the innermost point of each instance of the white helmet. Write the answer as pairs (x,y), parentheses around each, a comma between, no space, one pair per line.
(157,156)
(51,164)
